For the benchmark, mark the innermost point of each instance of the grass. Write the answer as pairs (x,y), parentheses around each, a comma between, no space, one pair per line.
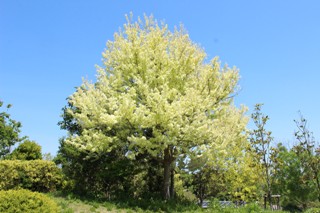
(71,204)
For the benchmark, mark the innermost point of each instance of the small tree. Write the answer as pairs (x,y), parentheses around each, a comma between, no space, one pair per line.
(261,142)
(27,150)
(289,175)
(9,132)
(308,154)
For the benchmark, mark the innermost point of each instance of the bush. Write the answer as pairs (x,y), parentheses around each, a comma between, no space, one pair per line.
(28,150)
(24,201)
(35,175)
(252,208)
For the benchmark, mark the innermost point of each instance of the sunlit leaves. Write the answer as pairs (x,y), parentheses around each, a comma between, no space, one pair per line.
(157,79)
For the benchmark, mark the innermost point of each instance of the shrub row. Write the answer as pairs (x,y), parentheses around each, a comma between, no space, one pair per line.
(25,201)
(35,175)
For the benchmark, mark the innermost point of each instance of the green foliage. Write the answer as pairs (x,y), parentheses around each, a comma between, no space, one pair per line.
(112,175)
(237,178)
(91,176)
(313,210)
(36,175)
(296,171)
(183,193)
(252,208)
(24,201)
(9,132)
(27,150)
(295,193)
(309,156)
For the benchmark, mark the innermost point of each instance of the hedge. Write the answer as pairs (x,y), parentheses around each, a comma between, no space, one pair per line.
(35,175)
(25,201)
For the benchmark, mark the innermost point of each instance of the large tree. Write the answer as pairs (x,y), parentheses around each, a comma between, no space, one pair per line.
(156,94)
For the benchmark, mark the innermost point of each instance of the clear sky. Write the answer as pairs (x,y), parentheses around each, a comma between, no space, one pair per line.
(46,47)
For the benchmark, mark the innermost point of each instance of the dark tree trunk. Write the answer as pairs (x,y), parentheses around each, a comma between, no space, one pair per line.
(167,161)
(270,200)
(172,183)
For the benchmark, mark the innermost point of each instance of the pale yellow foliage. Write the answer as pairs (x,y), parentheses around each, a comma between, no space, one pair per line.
(159,81)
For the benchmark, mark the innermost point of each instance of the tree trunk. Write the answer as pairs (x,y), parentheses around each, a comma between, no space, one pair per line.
(166,174)
(270,200)
(172,183)
(269,187)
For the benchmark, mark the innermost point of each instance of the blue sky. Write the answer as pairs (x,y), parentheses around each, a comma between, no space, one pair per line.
(46,47)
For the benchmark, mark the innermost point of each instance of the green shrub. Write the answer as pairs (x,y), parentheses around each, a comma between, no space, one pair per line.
(252,208)
(35,175)
(27,150)
(24,201)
